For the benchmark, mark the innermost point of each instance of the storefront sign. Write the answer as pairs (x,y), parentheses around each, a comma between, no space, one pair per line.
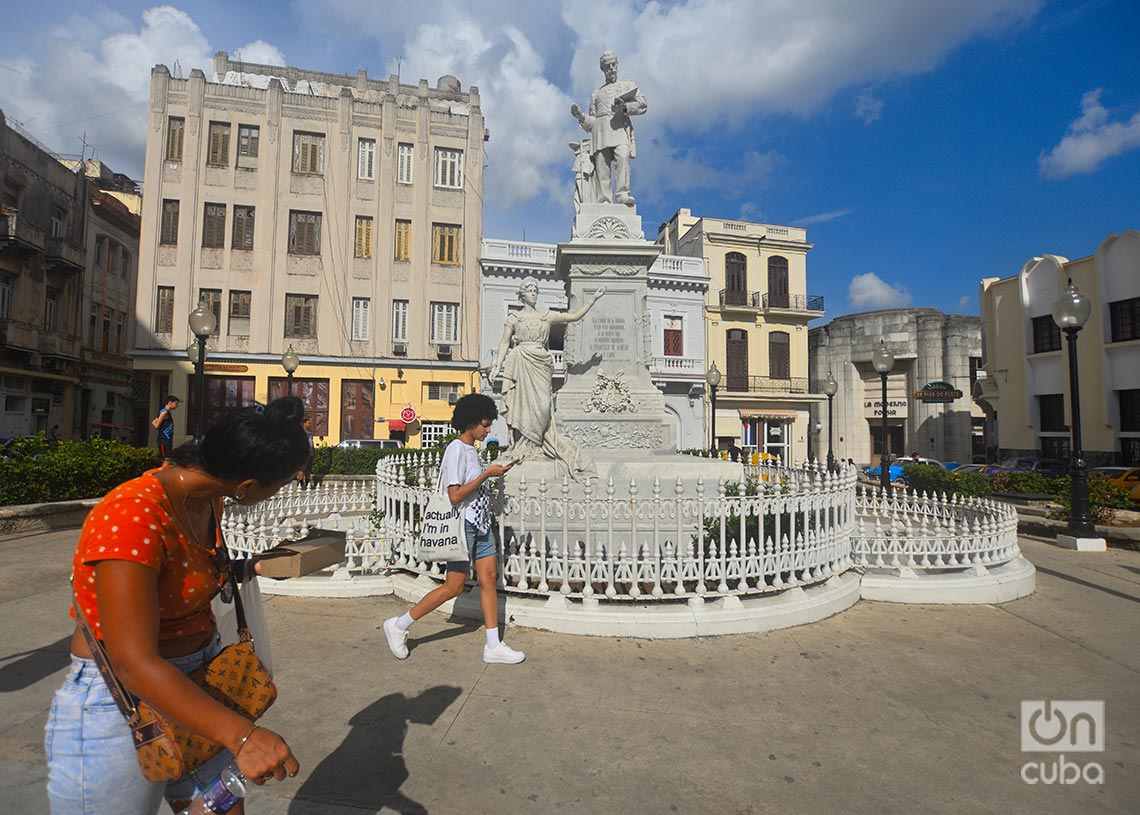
(895,407)
(938,393)
(222,368)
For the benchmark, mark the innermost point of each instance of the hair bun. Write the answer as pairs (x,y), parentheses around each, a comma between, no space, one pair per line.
(286,412)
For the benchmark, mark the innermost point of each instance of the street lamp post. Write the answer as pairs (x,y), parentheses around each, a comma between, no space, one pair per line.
(884,360)
(1070,313)
(830,387)
(713,380)
(290,362)
(202,323)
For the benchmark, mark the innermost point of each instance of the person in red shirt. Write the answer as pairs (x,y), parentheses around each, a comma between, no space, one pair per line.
(144,574)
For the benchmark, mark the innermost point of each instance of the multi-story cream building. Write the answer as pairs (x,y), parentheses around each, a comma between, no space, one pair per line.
(42,259)
(756,315)
(676,300)
(338,216)
(1026,391)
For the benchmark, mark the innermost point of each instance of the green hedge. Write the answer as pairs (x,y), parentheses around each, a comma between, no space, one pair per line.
(1104,495)
(37,472)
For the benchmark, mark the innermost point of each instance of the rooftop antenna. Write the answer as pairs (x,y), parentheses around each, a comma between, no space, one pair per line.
(83,154)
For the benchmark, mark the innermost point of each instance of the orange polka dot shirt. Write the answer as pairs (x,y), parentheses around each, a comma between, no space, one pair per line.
(136,522)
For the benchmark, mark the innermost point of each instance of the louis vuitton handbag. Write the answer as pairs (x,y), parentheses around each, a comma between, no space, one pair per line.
(235,677)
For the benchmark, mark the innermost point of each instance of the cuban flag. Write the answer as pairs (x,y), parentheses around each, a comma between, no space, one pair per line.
(747,433)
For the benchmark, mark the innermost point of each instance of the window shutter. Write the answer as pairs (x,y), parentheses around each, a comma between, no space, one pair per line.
(452,313)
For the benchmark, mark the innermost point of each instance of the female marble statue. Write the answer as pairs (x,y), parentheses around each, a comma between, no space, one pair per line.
(526,364)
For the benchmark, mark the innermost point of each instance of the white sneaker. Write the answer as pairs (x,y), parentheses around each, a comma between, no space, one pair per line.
(502,653)
(397,639)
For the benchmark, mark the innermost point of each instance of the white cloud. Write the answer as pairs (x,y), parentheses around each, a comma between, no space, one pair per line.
(1090,140)
(822,217)
(869,291)
(259,51)
(750,211)
(93,78)
(696,60)
(963,303)
(868,107)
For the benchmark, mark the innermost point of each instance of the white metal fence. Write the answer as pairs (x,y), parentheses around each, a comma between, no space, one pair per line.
(775,529)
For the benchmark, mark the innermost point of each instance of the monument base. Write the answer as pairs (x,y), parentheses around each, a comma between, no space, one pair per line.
(643,467)
(607,222)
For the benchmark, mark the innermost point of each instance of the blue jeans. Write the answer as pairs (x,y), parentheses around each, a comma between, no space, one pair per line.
(92,768)
(479,545)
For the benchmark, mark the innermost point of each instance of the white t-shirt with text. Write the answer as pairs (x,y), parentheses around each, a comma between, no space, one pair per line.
(461,465)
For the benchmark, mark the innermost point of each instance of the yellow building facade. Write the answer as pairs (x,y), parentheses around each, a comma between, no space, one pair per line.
(1026,389)
(756,315)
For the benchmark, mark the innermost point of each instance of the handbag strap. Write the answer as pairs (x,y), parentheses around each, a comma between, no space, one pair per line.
(126,701)
(244,634)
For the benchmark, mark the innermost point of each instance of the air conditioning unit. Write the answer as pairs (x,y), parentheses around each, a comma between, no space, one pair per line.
(443,350)
(400,349)
(453,397)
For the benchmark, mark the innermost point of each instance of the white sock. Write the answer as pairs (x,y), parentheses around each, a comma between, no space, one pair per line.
(493,637)
(405,622)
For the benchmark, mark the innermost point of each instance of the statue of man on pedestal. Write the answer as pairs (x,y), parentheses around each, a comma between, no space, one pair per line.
(612,145)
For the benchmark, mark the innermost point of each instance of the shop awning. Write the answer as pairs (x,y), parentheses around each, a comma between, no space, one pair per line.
(396,425)
(770,415)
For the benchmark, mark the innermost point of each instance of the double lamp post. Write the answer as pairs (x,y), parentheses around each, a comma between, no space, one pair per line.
(203,323)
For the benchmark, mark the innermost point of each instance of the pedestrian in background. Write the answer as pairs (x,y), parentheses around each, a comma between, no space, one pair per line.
(464,477)
(164,423)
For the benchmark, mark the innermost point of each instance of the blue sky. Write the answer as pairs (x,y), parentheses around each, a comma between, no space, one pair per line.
(925,145)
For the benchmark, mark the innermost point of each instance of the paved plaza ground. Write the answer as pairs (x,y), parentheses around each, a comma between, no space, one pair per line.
(881,709)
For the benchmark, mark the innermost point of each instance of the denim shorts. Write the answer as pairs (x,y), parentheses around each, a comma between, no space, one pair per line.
(479,546)
(92,766)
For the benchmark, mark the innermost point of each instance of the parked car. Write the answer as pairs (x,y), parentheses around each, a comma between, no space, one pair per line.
(1127,477)
(370,443)
(895,468)
(970,468)
(1048,467)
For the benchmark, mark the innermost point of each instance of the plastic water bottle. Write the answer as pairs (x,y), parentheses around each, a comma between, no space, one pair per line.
(221,796)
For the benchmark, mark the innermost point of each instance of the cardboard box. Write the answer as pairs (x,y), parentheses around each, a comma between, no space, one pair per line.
(301,557)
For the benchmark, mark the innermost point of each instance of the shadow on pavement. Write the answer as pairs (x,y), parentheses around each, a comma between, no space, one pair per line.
(34,665)
(1088,584)
(367,769)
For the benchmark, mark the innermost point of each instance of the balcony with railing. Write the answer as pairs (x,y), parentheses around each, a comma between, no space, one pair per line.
(58,344)
(678,366)
(739,299)
(765,384)
(64,255)
(793,302)
(18,231)
(538,253)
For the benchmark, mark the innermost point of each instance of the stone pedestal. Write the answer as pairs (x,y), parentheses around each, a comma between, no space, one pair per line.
(609,401)
(607,222)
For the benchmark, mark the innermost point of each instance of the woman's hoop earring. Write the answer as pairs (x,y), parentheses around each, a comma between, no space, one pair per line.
(239,495)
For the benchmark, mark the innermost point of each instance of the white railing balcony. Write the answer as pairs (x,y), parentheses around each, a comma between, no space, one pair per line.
(538,253)
(559,362)
(680,366)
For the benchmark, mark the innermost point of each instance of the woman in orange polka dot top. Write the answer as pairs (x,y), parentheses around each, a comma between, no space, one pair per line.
(144,575)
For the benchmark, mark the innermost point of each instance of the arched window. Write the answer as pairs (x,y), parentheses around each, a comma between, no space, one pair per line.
(736,360)
(777,282)
(735,279)
(779,355)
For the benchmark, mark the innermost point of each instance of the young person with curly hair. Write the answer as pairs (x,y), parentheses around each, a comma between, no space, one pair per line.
(465,479)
